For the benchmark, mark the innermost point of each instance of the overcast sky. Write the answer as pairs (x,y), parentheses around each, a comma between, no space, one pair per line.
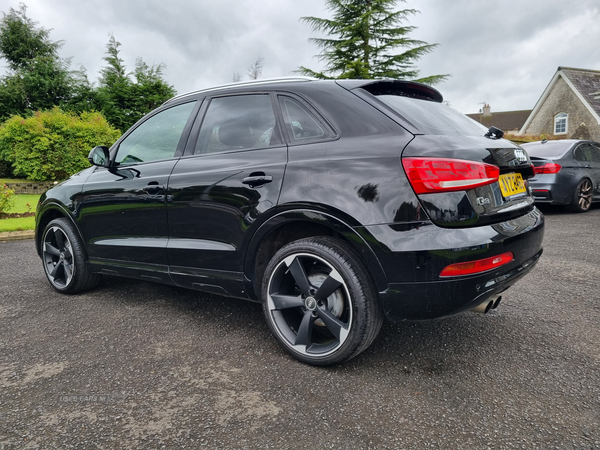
(503,52)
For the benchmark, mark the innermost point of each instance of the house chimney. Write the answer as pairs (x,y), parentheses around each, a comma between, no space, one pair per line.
(486,110)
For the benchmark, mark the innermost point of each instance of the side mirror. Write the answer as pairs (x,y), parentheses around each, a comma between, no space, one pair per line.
(99,156)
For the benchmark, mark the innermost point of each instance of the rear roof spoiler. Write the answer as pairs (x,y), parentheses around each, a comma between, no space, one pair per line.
(402,88)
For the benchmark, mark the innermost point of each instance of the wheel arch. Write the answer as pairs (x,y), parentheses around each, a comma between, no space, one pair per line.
(49,213)
(290,226)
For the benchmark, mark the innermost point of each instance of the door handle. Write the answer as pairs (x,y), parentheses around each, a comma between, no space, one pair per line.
(257,180)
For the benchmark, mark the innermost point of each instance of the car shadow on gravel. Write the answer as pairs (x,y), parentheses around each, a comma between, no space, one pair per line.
(559,210)
(427,347)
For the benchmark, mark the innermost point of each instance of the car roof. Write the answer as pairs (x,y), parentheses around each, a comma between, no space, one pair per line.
(408,88)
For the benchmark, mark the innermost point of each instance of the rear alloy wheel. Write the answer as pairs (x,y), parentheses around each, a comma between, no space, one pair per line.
(582,198)
(64,259)
(320,302)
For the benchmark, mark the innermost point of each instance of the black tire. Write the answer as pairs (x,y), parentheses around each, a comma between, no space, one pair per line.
(320,302)
(582,197)
(64,259)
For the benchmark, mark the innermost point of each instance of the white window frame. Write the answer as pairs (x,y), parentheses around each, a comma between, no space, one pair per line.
(558,120)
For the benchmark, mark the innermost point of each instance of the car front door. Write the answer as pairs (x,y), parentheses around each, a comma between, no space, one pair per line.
(122,213)
(222,190)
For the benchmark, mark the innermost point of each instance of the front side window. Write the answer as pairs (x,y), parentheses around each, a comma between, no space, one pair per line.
(237,122)
(560,123)
(156,138)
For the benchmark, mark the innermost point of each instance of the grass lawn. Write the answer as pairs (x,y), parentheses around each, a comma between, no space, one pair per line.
(21,223)
(21,202)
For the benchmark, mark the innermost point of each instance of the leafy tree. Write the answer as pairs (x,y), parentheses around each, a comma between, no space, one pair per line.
(53,145)
(38,78)
(363,40)
(124,97)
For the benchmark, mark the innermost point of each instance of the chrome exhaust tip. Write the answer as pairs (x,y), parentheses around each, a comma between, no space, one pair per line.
(485,306)
(497,302)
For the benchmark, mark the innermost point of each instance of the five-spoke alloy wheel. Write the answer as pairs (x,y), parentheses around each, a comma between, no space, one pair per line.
(64,259)
(582,199)
(320,302)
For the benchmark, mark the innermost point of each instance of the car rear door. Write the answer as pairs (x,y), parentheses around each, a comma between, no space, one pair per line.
(595,168)
(222,189)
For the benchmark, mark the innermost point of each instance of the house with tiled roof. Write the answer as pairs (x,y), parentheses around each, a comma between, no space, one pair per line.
(569,107)
(507,121)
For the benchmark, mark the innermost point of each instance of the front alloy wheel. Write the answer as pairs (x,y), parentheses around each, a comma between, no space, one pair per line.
(58,257)
(319,301)
(64,258)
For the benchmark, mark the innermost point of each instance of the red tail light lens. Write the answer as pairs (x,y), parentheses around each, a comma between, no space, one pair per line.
(479,266)
(431,175)
(547,168)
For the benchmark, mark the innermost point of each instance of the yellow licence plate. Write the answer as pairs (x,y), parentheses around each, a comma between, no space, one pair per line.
(511,184)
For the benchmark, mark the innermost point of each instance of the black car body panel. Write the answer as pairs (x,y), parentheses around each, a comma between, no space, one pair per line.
(212,221)
(416,291)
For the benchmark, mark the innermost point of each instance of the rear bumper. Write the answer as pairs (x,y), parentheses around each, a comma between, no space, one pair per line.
(413,260)
(554,189)
(416,301)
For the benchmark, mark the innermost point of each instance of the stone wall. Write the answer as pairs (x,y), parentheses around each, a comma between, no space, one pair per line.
(32,187)
(581,124)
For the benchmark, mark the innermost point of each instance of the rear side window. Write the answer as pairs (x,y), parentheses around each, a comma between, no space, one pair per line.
(596,153)
(432,117)
(237,122)
(301,124)
(586,152)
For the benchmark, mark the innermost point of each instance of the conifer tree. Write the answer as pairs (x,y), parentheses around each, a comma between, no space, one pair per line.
(124,100)
(366,39)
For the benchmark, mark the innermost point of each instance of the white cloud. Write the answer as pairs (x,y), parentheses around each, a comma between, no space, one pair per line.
(503,52)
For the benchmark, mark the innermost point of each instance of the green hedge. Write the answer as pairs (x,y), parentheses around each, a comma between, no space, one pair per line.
(52,145)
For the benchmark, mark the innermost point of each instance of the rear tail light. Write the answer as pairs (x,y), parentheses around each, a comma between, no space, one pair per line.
(547,168)
(479,266)
(431,175)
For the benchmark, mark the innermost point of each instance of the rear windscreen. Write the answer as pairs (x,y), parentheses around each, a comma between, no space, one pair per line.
(548,150)
(432,117)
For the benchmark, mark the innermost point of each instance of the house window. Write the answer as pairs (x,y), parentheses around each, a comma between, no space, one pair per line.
(560,123)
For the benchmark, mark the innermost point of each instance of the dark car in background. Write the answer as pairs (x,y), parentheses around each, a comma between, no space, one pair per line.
(567,172)
(333,203)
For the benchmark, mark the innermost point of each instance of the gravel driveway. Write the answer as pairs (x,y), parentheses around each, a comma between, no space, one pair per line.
(136,365)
